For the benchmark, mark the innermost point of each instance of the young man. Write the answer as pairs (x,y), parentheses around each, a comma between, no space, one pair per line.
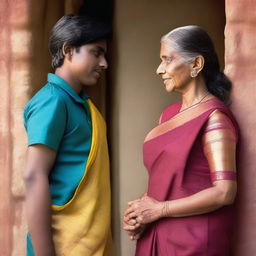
(67,171)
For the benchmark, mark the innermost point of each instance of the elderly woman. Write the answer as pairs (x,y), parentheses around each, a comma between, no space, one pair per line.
(190,157)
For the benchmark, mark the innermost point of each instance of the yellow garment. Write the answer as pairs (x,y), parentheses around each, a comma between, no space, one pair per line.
(81,227)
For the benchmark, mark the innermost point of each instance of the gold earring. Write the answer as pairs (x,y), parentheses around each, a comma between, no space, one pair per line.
(193,73)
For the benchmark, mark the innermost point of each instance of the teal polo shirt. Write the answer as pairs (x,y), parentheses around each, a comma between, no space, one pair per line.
(59,118)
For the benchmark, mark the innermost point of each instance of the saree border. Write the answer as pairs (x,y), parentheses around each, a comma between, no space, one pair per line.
(181,118)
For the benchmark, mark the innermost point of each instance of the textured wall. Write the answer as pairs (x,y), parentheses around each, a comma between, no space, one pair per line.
(240,55)
(15,41)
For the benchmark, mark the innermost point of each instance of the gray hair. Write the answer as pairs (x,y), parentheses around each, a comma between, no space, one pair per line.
(175,36)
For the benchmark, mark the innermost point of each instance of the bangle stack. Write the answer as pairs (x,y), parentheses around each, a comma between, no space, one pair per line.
(165,211)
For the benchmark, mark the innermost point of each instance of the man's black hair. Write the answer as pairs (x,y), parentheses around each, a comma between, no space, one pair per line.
(75,31)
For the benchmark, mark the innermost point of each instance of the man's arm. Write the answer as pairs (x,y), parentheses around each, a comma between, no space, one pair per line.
(40,160)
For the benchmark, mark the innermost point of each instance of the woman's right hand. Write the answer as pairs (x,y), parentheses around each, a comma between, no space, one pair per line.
(133,228)
(136,234)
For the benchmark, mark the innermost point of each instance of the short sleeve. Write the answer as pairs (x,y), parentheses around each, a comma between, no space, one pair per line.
(219,144)
(45,121)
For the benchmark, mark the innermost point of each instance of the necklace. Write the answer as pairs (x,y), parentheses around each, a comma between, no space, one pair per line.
(195,103)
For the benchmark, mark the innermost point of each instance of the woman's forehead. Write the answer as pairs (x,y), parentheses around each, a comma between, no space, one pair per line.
(166,49)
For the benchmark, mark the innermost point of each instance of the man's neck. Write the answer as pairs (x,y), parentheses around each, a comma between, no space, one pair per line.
(77,87)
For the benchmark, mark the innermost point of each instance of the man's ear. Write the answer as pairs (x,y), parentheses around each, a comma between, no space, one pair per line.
(67,51)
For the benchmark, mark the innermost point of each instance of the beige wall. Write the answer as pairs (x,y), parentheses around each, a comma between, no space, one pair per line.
(136,96)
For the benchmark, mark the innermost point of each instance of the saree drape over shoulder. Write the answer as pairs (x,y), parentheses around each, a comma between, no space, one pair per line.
(177,168)
(82,226)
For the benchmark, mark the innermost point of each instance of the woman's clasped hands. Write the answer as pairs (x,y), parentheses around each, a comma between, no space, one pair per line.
(140,213)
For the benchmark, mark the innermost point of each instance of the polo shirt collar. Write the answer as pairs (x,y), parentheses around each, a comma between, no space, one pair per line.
(56,80)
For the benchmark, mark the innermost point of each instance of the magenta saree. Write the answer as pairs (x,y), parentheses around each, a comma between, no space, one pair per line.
(177,168)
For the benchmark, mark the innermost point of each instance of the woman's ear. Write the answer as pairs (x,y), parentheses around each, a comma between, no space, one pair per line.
(198,63)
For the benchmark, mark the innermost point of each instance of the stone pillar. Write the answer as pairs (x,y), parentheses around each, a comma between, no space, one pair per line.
(240,56)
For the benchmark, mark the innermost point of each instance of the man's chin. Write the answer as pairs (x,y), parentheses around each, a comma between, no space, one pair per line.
(91,83)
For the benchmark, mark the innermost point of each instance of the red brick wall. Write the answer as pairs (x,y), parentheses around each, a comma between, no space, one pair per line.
(240,57)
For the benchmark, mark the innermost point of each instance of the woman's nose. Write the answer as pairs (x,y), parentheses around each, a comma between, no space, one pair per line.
(160,69)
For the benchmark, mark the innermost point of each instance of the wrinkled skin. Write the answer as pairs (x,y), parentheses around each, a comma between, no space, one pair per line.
(141,212)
